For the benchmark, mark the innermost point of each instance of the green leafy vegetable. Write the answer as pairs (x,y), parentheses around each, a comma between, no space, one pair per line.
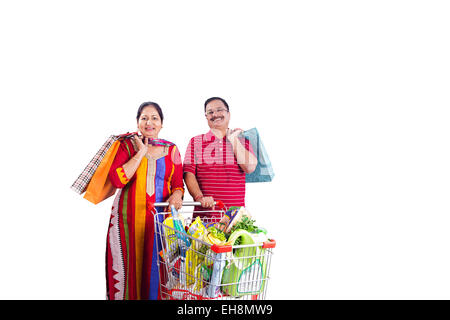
(217,233)
(246,224)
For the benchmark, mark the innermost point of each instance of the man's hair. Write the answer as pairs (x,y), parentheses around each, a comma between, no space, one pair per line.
(217,98)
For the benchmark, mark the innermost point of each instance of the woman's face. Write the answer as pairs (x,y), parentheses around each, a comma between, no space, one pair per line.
(149,123)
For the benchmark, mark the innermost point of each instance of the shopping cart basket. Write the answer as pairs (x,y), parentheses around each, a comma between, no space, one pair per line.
(191,268)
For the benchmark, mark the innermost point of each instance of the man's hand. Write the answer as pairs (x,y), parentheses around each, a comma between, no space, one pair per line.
(207,202)
(232,134)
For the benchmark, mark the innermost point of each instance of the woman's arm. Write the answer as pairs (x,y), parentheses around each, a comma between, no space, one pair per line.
(177,185)
(124,167)
(131,166)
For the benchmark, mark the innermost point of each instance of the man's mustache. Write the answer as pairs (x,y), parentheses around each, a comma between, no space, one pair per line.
(214,119)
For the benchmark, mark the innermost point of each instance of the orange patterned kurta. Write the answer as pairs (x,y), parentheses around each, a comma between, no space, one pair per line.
(131,258)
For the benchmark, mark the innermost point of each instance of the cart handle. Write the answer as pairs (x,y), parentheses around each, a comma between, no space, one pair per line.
(269,244)
(217,203)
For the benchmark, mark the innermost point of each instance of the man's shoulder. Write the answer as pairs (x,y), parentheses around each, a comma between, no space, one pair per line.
(201,137)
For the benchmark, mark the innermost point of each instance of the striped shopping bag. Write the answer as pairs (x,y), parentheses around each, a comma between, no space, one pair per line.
(94,178)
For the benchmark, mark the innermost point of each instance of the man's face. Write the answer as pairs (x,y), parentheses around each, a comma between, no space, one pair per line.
(217,115)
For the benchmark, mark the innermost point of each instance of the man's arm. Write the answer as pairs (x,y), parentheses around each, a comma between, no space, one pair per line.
(245,159)
(192,186)
(195,192)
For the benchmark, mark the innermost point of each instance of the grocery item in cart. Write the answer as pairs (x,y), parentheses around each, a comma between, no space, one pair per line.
(227,218)
(245,279)
(245,255)
(214,236)
(194,258)
(170,237)
(197,230)
(213,289)
(216,264)
(178,224)
(231,217)
(196,253)
(246,270)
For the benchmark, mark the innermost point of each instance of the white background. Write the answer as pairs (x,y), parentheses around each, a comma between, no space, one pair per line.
(351,99)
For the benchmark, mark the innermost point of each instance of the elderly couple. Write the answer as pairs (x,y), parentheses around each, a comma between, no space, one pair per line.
(146,170)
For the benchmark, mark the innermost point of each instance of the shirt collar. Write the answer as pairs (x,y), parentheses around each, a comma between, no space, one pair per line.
(209,136)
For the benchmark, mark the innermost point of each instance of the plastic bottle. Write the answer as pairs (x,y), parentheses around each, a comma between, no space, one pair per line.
(184,243)
(216,278)
(178,226)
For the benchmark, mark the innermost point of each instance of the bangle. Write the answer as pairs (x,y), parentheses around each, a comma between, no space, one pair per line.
(178,189)
(198,197)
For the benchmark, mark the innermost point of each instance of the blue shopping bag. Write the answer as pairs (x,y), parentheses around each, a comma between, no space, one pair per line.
(263,171)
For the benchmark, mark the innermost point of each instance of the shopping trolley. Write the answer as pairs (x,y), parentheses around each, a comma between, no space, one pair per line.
(191,268)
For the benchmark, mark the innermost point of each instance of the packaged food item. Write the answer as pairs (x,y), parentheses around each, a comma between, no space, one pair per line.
(235,219)
(196,253)
(213,290)
(246,269)
(193,259)
(214,236)
(174,272)
(179,226)
(227,218)
(197,230)
(239,280)
(231,218)
(198,281)
(170,237)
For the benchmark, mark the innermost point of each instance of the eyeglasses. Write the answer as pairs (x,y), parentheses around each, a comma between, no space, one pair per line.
(219,111)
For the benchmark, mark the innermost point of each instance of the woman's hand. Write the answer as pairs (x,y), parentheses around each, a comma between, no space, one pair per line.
(207,202)
(176,200)
(131,166)
(142,147)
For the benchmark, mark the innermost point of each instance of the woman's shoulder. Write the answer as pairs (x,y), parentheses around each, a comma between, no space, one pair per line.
(127,142)
(173,147)
(166,143)
(125,136)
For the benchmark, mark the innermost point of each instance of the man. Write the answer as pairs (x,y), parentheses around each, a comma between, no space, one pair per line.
(215,163)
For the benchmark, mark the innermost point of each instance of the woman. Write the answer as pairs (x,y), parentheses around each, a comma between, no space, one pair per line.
(146,170)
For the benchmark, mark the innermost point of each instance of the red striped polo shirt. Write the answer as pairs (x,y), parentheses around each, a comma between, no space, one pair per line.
(214,164)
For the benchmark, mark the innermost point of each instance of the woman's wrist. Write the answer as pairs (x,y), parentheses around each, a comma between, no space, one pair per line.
(138,156)
(178,193)
(198,197)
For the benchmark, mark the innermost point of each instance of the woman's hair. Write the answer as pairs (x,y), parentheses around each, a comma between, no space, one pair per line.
(151,104)
(217,98)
